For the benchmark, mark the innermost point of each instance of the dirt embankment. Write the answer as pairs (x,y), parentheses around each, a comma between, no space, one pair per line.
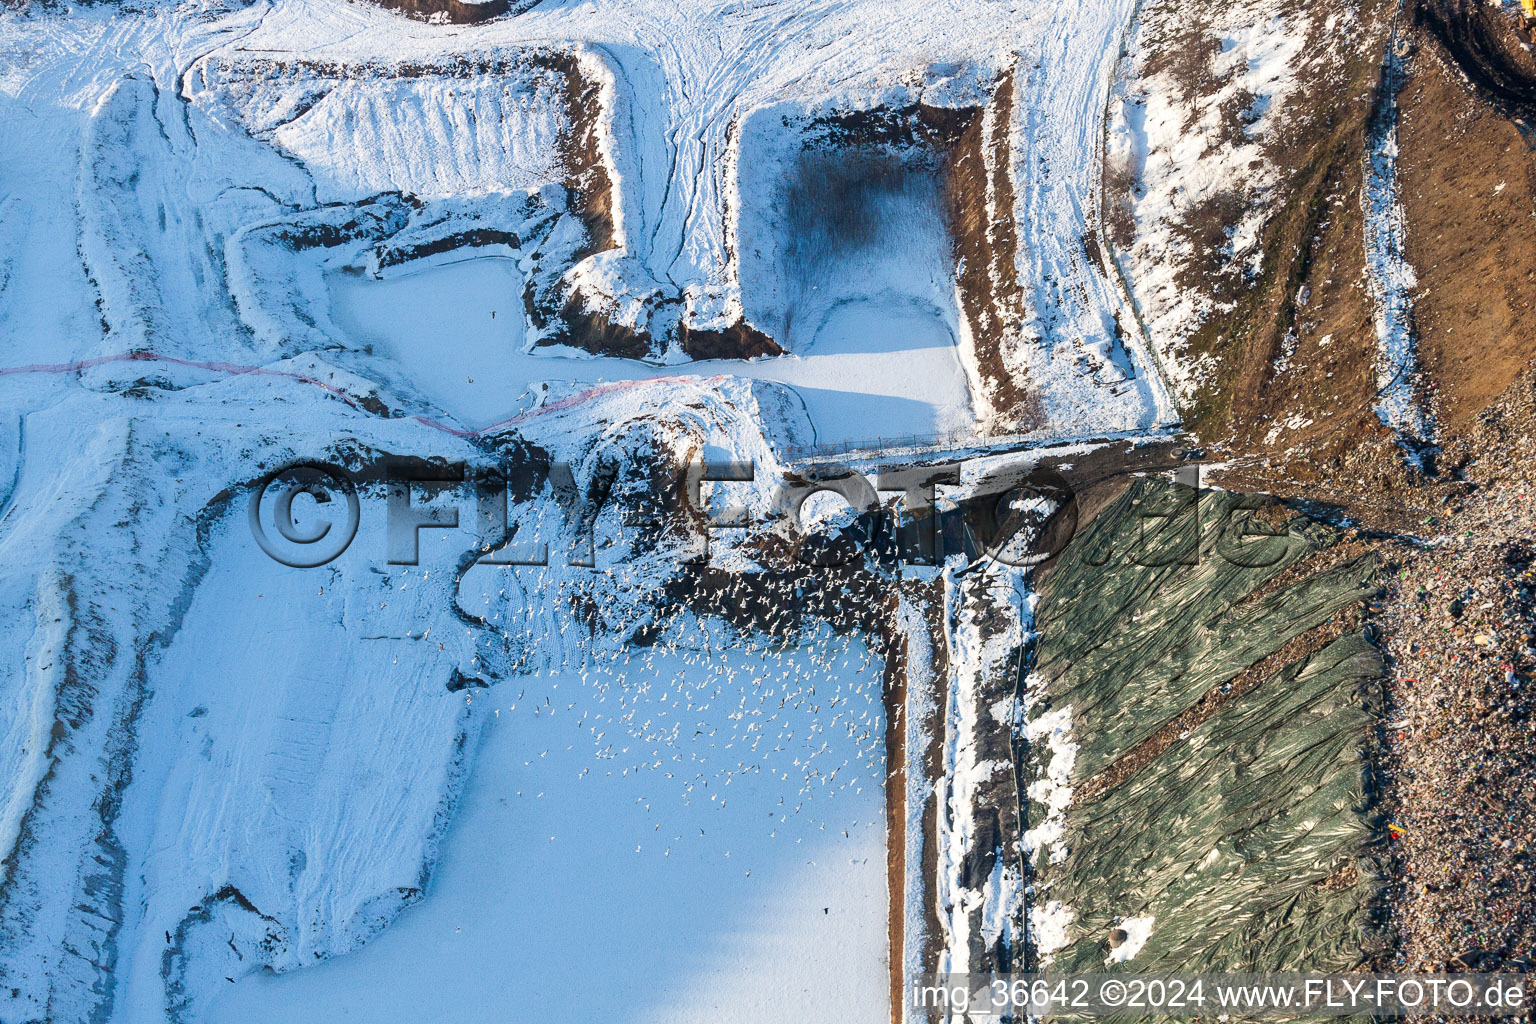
(980,195)
(897,666)
(909,689)
(591,196)
(456,12)
(1467,181)
(1299,333)
(450,12)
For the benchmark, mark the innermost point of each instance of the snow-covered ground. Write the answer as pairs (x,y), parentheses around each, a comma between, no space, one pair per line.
(874,368)
(213,764)
(608,862)
(1086,367)
(235,120)
(988,619)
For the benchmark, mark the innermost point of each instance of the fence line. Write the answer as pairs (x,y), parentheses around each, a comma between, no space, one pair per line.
(881,444)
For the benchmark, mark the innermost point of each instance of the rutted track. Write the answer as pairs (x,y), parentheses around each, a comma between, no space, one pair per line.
(1480,39)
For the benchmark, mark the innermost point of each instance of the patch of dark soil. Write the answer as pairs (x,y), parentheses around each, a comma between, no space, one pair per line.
(738,341)
(914,127)
(897,665)
(1186,52)
(932,760)
(452,12)
(1118,213)
(1207,229)
(458,682)
(1300,335)
(391,256)
(595,332)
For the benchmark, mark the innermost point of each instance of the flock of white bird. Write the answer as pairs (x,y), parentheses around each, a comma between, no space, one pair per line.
(700,705)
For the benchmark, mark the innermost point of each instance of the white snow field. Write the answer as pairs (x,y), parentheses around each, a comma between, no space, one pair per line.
(177,131)
(231,790)
(648,875)
(873,369)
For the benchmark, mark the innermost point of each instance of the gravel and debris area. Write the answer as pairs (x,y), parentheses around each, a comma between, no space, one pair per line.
(1459,630)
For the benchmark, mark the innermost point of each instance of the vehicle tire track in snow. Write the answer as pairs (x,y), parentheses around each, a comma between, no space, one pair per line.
(1057,137)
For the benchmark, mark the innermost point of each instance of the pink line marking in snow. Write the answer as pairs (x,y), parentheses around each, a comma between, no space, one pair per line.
(238,369)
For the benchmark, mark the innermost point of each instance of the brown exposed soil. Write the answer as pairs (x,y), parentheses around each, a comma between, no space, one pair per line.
(1300,336)
(577,321)
(1467,184)
(595,332)
(896,660)
(980,196)
(392,255)
(1467,180)
(739,341)
(1490,50)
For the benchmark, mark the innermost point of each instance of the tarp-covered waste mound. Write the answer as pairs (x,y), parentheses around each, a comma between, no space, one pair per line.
(1198,770)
